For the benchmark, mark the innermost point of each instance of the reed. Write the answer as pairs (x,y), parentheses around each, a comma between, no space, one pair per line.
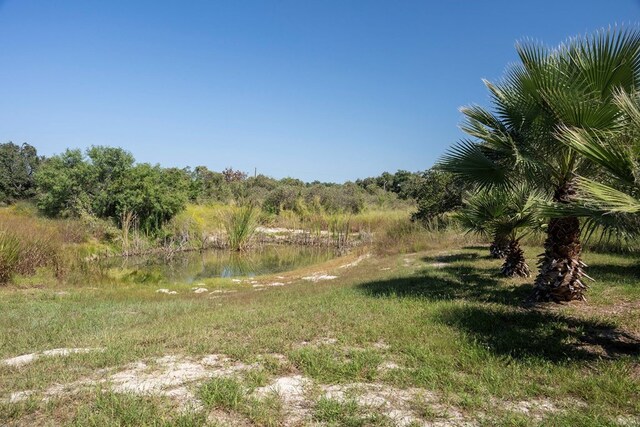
(240,225)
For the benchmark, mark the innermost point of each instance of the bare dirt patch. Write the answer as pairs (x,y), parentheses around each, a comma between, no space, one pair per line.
(356,262)
(317,277)
(56,352)
(177,378)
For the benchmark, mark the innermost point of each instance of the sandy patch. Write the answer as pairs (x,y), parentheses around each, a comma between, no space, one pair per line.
(318,342)
(166,291)
(292,392)
(388,366)
(317,277)
(177,378)
(392,402)
(199,290)
(438,264)
(56,352)
(356,262)
(169,376)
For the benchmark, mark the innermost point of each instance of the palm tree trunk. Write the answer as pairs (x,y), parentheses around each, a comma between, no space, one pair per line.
(515,263)
(561,269)
(499,246)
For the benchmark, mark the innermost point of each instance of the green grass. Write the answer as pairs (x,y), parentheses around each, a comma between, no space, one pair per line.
(452,325)
(224,393)
(347,414)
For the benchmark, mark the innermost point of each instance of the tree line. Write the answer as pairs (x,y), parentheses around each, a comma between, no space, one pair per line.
(106,182)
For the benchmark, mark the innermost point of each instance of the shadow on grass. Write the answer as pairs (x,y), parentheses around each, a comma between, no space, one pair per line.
(614,272)
(536,333)
(448,258)
(477,247)
(451,283)
(505,326)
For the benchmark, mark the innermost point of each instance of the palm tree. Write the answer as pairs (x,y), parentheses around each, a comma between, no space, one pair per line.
(571,86)
(509,214)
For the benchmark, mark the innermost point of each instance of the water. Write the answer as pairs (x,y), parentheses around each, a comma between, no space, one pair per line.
(188,267)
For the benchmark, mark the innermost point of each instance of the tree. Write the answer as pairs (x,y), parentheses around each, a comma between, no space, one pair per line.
(208,186)
(18,165)
(107,184)
(437,192)
(154,194)
(571,86)
(109,167)
(505,215)
(64,183)
(231,175)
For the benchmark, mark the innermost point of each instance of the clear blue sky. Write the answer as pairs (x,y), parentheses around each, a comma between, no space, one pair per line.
(327,90)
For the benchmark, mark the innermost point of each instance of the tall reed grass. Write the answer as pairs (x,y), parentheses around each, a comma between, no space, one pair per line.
(240,225)
(27,244)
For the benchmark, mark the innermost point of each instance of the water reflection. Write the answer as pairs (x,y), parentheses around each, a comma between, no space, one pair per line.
(193,266)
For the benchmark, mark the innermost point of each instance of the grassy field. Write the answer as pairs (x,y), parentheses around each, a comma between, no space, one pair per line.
(434,337)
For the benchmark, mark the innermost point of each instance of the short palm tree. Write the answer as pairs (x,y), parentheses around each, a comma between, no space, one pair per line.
(508,214)
(572,86)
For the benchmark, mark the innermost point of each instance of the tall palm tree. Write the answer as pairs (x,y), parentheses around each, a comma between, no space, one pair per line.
(571,86)
(509,214)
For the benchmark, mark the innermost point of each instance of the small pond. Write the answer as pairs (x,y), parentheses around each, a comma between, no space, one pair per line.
(188,267)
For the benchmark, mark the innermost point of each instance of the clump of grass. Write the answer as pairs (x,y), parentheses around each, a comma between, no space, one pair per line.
(329,365)
(27,244)
(231,395)
(405,236)
(111,409)
(225,393)
(240,225)
(347,413)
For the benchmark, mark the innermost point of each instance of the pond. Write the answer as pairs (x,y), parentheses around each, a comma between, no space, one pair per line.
(189,267)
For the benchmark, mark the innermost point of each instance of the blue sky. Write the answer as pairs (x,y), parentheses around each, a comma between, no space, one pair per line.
(327,90)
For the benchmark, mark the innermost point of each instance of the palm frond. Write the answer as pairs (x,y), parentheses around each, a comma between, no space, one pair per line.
(474,163)
(607,198)
(615,159)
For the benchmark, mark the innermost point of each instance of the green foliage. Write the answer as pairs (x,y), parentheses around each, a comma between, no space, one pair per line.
(437,193)
(573,85)
(18,164)
(108,185)
(611,201)
(284,197)
(499,212)
(154,194)
(208,186)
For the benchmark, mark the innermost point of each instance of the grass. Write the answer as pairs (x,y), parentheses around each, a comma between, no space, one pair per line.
(224,393)
(240,225)
(453,326)
(349,414)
